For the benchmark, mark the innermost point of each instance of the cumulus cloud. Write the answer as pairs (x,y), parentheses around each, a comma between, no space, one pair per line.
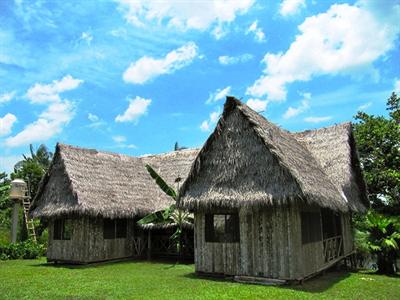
(259,35)
(211,121)
(257,104)
(184,15)
(147,68)
(219,94)
(49,123)
(54,118)
(291,7)
(7,163)
(44,93)
(317,119)
(86,37)
(232,60)
(6,124)
(137,108)
(7,97)
(325,45)
(295,111)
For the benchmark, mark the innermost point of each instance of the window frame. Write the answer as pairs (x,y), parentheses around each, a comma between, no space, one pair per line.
(117,229)
(62,229)
(311,227)
(231,232)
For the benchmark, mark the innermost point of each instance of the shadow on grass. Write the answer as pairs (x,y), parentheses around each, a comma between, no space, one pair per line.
(317,284)
(170,262)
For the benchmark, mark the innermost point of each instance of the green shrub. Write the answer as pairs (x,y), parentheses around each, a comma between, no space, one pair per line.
(24,250)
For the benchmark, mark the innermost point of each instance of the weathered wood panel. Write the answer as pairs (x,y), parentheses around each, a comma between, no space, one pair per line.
(347,233)
(87,243)
(266,237)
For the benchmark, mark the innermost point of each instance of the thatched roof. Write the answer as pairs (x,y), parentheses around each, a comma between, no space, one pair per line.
(93,183)
(249,161)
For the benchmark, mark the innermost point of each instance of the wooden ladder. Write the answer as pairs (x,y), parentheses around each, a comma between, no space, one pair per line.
(30,227)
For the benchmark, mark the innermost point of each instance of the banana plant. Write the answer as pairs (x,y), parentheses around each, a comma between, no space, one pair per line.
(169,215)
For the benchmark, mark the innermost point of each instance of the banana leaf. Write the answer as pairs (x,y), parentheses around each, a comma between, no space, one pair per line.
(161,183)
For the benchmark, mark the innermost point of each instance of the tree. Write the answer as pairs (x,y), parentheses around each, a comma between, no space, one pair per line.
(33,168)
(177,147)
(5,208)
(378,143)
(380,235)
(170,215)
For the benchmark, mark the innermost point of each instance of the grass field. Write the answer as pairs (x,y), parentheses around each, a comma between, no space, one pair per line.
(34,279)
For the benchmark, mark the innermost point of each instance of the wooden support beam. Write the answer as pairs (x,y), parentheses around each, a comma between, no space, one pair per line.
(149,244)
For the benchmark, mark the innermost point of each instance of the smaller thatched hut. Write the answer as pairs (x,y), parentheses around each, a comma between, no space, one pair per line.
(92,200)
(269,203)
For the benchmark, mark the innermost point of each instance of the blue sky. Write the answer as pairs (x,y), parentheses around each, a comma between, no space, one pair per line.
(134,77)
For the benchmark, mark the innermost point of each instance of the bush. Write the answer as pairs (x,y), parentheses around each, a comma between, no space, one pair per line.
(24,250)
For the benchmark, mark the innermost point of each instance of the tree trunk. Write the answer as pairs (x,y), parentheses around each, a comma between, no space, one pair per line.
(385,264)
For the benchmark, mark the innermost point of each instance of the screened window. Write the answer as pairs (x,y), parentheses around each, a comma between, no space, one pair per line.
(114,229)
(310,227)
(62,229)
(222,228)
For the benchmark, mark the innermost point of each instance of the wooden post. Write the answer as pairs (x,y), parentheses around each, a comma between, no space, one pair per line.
(149,244)
(14,226)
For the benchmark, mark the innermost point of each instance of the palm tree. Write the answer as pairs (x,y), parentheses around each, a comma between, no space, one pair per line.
(170,215)
(381,236)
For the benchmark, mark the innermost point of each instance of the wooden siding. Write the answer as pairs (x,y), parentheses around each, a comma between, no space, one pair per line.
(347,232)
(87,243)
(270,245)
(268,240)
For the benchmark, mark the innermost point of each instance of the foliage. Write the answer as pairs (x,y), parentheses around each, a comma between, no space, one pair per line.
(378,143)
(379,235)
(32,169)
(25,250)
(5,208)
(34,279)
(170,215)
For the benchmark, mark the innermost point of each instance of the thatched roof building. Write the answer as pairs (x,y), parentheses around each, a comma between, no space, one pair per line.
(269,203)
(317,166)
(87,182)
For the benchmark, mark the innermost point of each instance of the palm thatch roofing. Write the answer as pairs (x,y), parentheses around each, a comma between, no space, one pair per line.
(249,161)
(93,183)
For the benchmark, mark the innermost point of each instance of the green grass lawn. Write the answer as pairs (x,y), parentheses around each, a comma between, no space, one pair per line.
(34,279)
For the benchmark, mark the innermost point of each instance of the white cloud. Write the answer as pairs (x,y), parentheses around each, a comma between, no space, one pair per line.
(291,7)
(6,124)
(317,119)
(49,123)
(397,85)
(86,37)
(206,125)
(185,15)
(231,60)
(44,93)
(137,108)
(325,45)
(6,97)
(364,106)
(93,117)
(219,94)
(147,68)
(295,111)
(257,104)
(59,112)
(119,138)
(259,35)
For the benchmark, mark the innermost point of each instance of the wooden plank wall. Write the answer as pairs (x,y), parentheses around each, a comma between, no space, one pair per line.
(347,231)
(87,243)
(269,245)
